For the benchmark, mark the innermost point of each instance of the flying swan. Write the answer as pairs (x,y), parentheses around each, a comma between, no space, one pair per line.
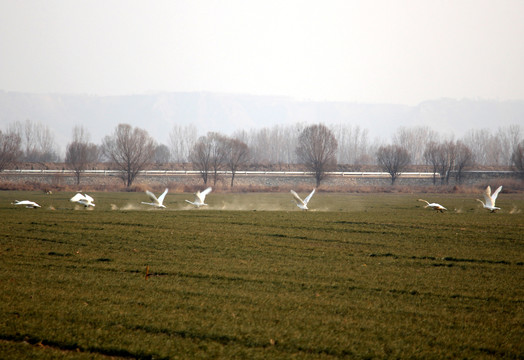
(156,202)
(434,206)
(302,204)
(200,197)
(85,200)
(28,204)
(490,199)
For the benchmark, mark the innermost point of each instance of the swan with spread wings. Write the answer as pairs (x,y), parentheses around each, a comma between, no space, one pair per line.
(200,198)
(156,202)
(302,204)
(490,199)
(85,200)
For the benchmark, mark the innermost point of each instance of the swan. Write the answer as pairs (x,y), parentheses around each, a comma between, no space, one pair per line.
(156,202)
(434,206)
(85,200)
(200,197)
(302,204)
(27,203)
(490,199)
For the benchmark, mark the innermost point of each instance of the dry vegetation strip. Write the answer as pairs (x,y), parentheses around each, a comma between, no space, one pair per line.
(362,276)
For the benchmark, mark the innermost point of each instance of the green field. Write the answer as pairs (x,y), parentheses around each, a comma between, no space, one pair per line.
(252,276)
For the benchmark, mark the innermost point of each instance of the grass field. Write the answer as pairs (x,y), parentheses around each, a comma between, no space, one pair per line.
(252,276)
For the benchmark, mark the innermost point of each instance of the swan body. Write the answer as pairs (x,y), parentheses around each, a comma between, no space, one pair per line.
(490,199)
(302,204)
(434,206)
(200,197)
(156,202)
(85,200)
(28,204)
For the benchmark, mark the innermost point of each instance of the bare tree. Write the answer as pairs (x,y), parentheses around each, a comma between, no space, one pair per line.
(182,139)
(431,157)
(162,154)
(37,140)
(479,142)
(237,155)
(209,154)
(446,157)
(393,159)
(10,149)
(463,159)
(414,140)
(509,138)
(493,147)
(260,146)
(80,152)
(517,159)
(130,150)
(272,146)
(200,157)
(353,147)
(218,153)
(317,149)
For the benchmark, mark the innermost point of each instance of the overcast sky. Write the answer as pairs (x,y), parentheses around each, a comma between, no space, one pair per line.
(404,51)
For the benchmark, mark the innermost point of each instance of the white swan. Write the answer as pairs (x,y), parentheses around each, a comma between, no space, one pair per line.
(434,206)
(85,200)
(156,202)
(302,204)
(490,199)
(200,197)
(27,203)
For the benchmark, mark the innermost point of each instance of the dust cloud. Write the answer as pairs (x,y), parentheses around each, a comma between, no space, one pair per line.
(514,210)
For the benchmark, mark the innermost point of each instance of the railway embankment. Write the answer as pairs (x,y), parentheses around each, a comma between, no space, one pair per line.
(247,179)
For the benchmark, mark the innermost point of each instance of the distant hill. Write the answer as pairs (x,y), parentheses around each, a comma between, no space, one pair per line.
(229,112)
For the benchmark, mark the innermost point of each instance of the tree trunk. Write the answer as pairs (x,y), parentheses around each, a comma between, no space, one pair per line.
(393,179)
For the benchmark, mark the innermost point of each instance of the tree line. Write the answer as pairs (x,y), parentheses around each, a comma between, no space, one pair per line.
(318,147)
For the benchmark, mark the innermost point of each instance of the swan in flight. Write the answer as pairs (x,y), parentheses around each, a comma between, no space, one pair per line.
(200,197)
(27,203)
(434,206)
(85,200)
(302,203)
(156,202)
(490,199)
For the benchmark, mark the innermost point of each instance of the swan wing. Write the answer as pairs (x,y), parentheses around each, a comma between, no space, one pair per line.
(198,198)
(28,204)
(89,198)
(306,200)
(495,194)
(205,192)
(487,196)
(152,196)
(297,198)
(161,197)
(77,198)
(201,195)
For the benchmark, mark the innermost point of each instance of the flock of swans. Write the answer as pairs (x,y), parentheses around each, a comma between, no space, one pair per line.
(489,199)
(200,197)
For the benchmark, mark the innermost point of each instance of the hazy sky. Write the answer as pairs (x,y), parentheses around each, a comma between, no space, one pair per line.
(403,51)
